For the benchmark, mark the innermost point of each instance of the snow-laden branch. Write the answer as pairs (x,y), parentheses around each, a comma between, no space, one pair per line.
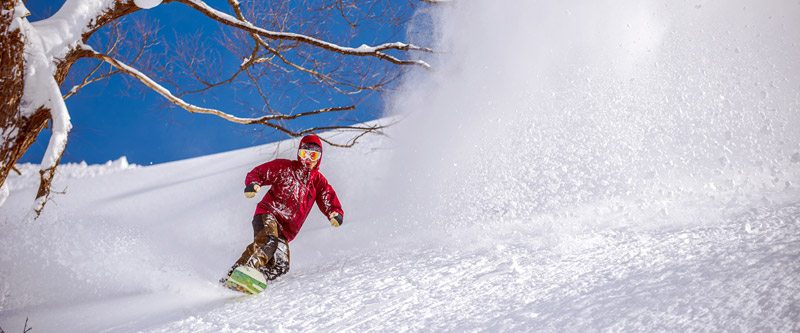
(363,50)
(42,92)
(61,32)
(161,90)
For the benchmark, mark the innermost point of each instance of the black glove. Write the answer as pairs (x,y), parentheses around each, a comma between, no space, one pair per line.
(336,219)
(251,190)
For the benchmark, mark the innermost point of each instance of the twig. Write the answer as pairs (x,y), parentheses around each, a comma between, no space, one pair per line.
(438,2)
(26,329)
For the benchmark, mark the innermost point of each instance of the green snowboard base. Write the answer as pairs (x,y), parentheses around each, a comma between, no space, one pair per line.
(247,280)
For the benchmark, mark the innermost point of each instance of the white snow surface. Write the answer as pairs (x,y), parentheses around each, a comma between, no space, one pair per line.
(633,166)
(4,192)
(146,4)
(131,248)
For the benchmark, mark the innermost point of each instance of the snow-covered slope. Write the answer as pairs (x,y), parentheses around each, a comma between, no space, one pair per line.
(122,234)
(140,248)
(581,166)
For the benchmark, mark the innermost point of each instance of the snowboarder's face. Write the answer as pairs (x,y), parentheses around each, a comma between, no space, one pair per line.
(309,163)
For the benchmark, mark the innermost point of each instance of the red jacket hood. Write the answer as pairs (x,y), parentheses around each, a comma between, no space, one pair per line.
(312,139)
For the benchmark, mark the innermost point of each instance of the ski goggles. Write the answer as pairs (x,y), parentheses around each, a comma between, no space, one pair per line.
(310,154)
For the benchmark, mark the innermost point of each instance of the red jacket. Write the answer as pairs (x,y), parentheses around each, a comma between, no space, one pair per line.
(294,190)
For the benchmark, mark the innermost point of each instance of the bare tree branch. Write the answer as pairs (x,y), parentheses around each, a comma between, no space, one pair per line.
(341,6)
(144,31)
(270,120)
(438,2)
(264,120)
(89,80)
(26,329)
(363,50)
(276,53)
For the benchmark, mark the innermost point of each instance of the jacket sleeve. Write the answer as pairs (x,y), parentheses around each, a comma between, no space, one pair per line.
(327,201)
(263,175)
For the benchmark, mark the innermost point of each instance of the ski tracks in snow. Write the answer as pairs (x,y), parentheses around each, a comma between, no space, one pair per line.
(739,276)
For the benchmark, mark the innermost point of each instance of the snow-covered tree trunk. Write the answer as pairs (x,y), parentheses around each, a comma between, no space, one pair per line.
(35,63)
(19,130)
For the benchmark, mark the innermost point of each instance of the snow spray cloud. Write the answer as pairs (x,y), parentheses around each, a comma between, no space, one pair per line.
(603,113)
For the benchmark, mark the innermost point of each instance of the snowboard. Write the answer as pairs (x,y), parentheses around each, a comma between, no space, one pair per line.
(246,279)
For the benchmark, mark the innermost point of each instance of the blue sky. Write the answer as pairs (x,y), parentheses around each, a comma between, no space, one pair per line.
(108,124)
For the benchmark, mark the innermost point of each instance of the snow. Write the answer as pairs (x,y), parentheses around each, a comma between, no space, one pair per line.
(68,171)
(42,91)
(143,247)
(575,185)
(147,4)
(4,192)
(19,12)
(63,31)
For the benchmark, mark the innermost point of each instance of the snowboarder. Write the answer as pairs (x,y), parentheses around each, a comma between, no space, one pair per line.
(295,186)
